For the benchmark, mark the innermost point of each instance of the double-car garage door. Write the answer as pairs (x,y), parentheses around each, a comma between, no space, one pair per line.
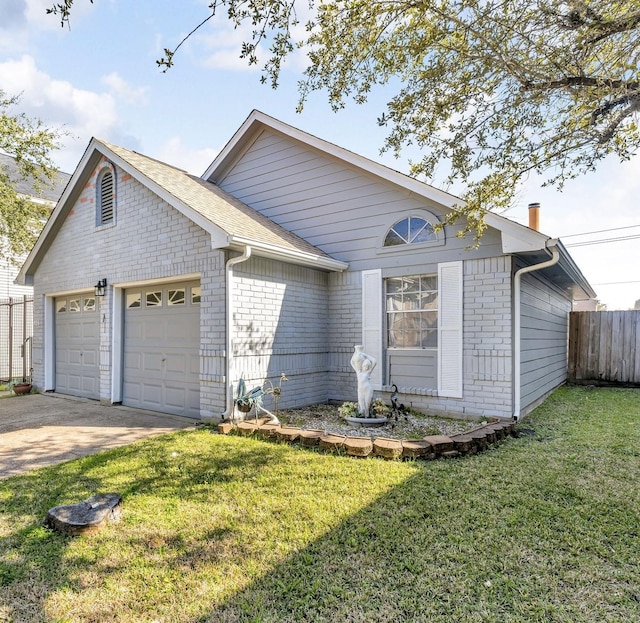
(161,343)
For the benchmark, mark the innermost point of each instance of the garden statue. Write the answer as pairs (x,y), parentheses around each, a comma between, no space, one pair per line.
(363,365)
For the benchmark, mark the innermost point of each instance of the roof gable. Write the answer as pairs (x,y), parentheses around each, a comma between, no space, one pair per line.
(515,238)
(230,223)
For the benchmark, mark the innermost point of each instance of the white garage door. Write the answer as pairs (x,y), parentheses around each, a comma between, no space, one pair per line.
(162,348)
(77,346)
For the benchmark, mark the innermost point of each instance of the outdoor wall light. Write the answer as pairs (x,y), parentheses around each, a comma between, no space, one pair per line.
(101,287)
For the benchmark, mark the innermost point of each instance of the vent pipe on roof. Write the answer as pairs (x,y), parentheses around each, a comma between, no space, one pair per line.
(534,216)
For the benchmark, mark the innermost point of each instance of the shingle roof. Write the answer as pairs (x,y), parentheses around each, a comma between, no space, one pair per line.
(27,186)
(217,206)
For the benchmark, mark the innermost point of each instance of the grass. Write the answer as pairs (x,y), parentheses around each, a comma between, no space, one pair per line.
(544,527)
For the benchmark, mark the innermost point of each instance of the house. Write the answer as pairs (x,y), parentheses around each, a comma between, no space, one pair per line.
(282,256)
(15,300)
(47,195)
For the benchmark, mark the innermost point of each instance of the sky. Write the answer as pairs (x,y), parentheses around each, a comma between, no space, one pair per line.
(99,78)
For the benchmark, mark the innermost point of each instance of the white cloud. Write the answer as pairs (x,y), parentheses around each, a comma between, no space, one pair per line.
(124,91)
(221,45)
(176,153)
(81,113)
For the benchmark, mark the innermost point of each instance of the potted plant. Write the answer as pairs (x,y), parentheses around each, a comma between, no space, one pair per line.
(377,415)
(20,387)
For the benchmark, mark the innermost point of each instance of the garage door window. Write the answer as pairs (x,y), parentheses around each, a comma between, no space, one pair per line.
(171,297)
(61,306)
(134,300)
(154,299)
(89,304)
(74,305)
(176,297)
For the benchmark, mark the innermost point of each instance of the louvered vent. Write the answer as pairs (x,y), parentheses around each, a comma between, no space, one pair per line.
(106,198)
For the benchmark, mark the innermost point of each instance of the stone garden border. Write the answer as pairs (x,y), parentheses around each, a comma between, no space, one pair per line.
(431,447)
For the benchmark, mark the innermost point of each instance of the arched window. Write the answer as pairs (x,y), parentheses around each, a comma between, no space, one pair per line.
(410,230)
(105,197)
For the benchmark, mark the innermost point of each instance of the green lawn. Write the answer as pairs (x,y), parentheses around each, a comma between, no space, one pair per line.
(545,527)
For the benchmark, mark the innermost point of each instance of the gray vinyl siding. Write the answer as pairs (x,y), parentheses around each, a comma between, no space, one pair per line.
(544,338)
(338,208)
(8,289)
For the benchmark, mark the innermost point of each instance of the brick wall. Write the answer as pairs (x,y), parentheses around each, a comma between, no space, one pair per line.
(280,326)
(487,342)
(148,240)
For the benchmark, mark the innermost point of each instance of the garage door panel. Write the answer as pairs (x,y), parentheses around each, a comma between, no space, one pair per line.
(132,391)
(74,357)
(161,351)
(177,364)
(77,346)
(175,396)
(132,361)
(151,362)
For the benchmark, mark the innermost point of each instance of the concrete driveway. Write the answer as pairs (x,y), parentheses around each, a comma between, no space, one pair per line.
(43,429)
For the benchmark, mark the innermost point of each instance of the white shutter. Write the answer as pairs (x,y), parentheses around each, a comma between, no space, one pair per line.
(372,320)
(450,329)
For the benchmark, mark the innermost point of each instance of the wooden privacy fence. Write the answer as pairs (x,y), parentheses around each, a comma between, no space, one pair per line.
(16,333)
(604,347)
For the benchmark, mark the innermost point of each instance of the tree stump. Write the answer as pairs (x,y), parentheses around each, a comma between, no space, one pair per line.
(85,517)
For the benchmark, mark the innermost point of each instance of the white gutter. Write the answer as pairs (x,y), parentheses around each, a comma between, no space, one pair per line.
(229,328)
(551,245)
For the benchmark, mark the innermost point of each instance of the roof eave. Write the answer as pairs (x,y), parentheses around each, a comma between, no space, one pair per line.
(292,256)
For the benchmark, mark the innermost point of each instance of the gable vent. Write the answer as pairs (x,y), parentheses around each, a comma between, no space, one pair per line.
(106,198)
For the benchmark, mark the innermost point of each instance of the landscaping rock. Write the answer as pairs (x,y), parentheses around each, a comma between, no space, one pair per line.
(420,449)
(387,448)
(440,443)
(332,443)
(85,517)
(479,439)
(268,431)
(246,429)
(358,446)
(224,428)
(464,444)
(450,454)
(310,437)
(288,434)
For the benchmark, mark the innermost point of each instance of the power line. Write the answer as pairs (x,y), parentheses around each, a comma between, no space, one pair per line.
(614,283)
(600,231)
(603,241)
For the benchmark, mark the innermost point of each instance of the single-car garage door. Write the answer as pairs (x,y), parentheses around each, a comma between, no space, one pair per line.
(162,348)
(77,345)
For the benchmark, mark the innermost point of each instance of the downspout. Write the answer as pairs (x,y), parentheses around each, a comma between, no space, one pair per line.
(229,328)
(551,245)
